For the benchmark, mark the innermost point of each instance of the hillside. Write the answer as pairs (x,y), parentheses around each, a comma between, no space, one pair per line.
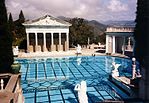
(128,23)
(99,28)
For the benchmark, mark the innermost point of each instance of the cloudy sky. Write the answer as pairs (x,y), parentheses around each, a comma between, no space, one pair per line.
(100,10)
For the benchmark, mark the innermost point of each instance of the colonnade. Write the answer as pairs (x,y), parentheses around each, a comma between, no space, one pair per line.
(110,44)
(116,38)
(114,43)
(53,46)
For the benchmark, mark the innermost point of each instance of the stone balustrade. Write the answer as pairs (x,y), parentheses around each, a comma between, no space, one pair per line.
(120,29)
(11,92)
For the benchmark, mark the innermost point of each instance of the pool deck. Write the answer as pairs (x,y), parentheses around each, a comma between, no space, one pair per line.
(71,52)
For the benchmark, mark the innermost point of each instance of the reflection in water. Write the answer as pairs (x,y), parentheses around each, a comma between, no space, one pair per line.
(78,61)
(108,61)
(57,68)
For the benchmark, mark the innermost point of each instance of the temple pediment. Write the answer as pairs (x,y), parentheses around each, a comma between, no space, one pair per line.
(47,21)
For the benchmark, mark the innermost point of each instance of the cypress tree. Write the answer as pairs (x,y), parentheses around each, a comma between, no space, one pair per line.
(12,28)
(141,33)
(11,23)
(10,20)
(6,55)
(21,17)
(20,33)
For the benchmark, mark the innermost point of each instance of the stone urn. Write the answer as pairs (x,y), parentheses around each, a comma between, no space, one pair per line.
(15,68)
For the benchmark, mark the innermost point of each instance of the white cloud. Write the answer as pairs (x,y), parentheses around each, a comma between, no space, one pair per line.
(89,9)
(117,6)
(80,10)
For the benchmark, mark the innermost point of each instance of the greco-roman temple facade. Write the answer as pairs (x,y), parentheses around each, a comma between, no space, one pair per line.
(47,34)
(119,39)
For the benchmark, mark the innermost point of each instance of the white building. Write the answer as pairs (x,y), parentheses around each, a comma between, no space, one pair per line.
(47,34)
(119,39)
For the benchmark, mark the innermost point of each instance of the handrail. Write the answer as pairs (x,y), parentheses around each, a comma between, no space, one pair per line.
(11,83)
(12,93)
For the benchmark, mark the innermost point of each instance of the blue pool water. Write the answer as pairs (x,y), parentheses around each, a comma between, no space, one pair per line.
(52,80)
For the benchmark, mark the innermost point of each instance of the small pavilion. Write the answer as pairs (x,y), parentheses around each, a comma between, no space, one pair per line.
(119,39)
(47,34)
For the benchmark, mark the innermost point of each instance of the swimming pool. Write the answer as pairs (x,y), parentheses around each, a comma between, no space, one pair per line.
(52,80)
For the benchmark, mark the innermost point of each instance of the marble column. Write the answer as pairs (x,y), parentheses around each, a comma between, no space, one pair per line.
(27,41)
(59,49)
(113,45)
(44,42)
(67,41)
(107,42)
(52,42)
(129,45)
(123,48)
(36,42)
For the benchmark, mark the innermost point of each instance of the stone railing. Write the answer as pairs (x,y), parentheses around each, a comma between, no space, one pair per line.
(10,89)
(120,29)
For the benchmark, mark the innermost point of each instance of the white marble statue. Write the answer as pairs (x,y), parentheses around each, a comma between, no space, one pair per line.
(115,72)
(81,89)
(79,49)
(15,51)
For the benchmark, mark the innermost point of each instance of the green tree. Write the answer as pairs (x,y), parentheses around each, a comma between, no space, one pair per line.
(6,55)
(11,23)
(21,17)
(11,26)
(102,38)
(10,20)
(20,34)
(80,31)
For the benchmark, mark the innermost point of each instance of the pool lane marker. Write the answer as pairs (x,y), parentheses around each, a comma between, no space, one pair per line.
(36,67)
(78,69)
(53,70)
(61,69)
(26,71)
(44,66)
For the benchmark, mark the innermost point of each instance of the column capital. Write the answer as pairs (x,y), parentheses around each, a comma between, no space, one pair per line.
(44,33)
(35,33)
